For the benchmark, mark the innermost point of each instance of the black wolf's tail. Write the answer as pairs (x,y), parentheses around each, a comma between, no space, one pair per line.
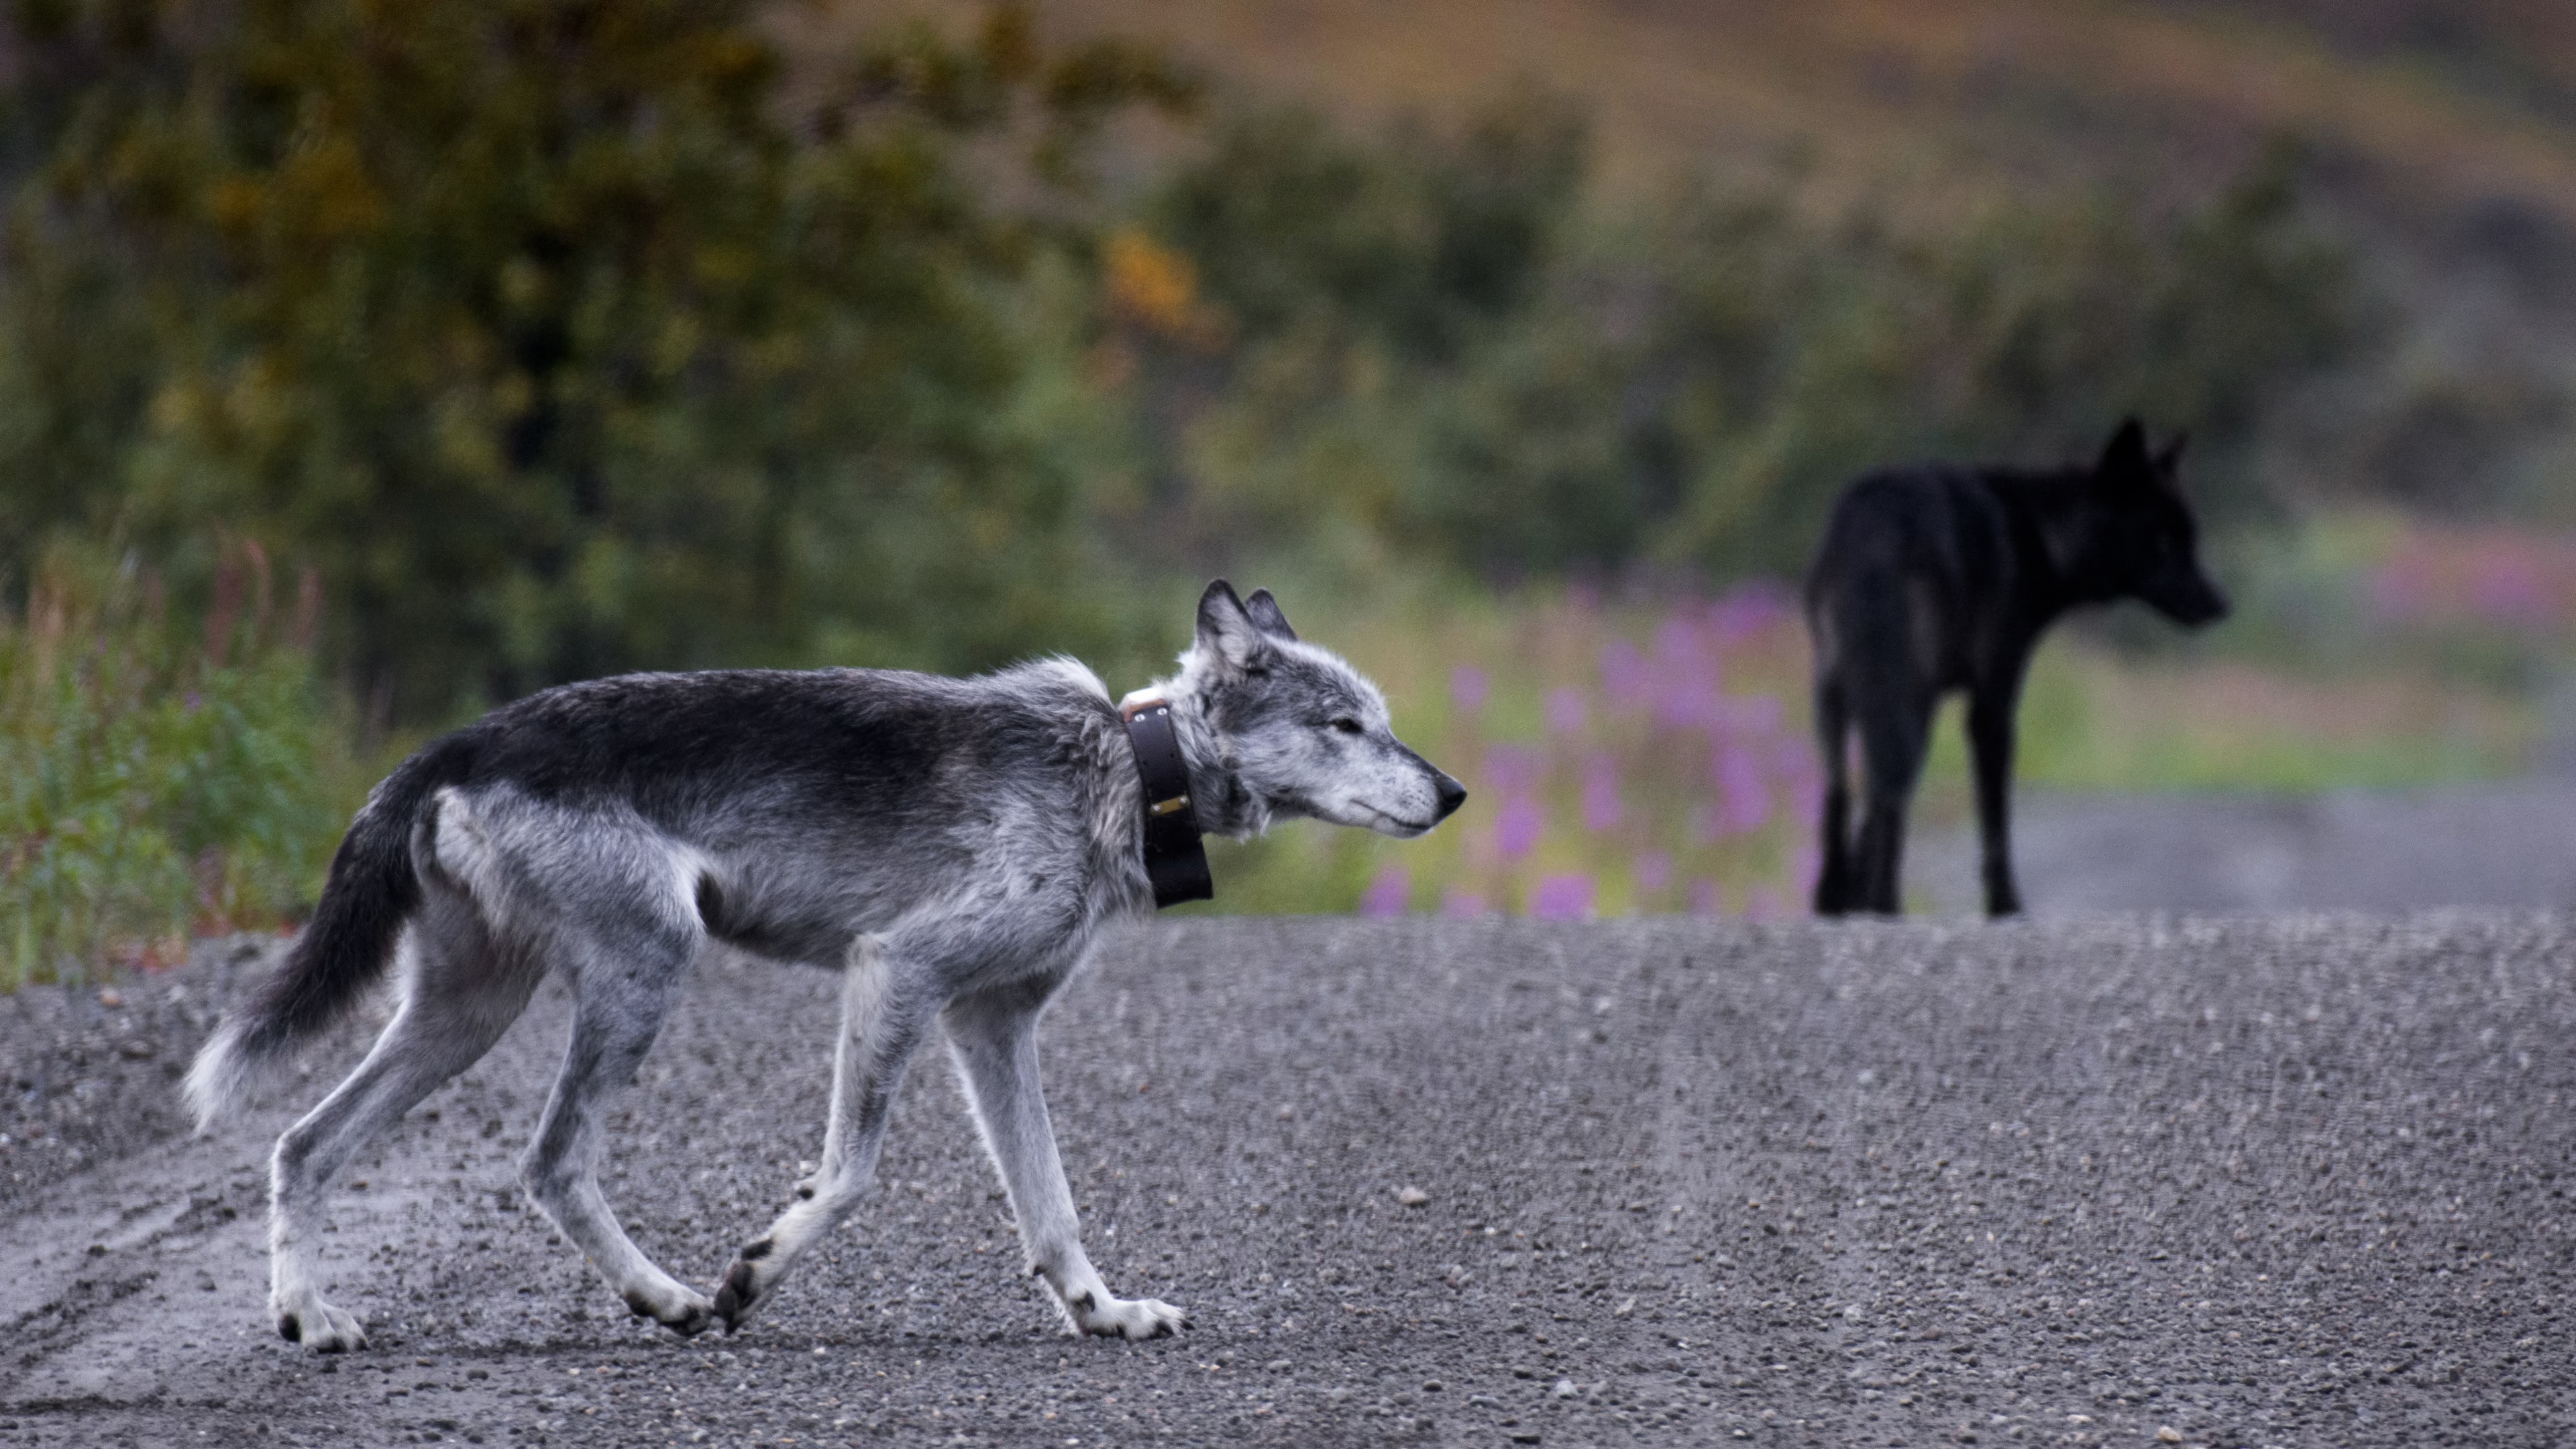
(371,891)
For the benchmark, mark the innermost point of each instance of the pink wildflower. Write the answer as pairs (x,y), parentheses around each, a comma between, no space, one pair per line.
(1517,826)
(1389,894)
(1562,898)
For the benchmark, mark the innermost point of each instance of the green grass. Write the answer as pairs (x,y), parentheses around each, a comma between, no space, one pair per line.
(157,784)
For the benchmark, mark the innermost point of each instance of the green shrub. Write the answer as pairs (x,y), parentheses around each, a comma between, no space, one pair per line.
(157,783)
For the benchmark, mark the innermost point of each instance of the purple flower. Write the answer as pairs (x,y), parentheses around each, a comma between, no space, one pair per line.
(1748,610)
(1764,903)
(1562,898)
(2505,586)
(1565,711)
(1654,870)
(1745,801)
(1704,899)
(1685,703)
(1389,894)
(1512,769)
(1517,826)
(1458,901)
(1468,686)
(1601,793)
(1757,715)
(1677,645)
(1624,676)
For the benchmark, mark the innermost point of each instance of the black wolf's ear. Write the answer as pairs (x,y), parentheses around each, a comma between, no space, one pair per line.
(1226,631)
(2169,457)
(2125,456)
(1266,617)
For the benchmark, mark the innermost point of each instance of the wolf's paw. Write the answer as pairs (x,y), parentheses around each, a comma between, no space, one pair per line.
(1095,1312)
(318,1326)
(740,1289)
(684,1311)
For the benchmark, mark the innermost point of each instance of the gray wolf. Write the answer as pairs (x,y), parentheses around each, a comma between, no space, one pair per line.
(951,846)
(1932,579)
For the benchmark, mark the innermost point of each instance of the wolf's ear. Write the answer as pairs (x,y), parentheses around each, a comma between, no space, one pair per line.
(2169,457)
(1266,617)
(1226,631)
(2125,456)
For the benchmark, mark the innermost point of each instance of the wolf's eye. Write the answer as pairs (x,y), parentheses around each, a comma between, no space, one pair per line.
(1347,725)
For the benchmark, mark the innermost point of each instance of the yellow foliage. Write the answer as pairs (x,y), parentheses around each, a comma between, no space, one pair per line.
(1157,288)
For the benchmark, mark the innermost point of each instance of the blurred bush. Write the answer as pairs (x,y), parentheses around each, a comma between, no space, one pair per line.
(158,780)
(559,337)
(1437,353)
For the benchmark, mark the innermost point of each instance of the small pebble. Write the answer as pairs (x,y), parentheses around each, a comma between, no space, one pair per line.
(1565,1388)
(1412,1196)
(2168,1434)
(111,997)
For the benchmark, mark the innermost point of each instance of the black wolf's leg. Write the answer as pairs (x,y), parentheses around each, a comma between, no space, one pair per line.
(1835,888)
(1990,742)
(1892,732)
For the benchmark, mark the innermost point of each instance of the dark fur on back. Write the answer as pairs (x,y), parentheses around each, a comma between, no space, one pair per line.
(1936,578)
(723,759)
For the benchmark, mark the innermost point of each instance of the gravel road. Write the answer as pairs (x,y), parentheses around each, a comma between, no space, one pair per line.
(2505,843)
(2113,1180)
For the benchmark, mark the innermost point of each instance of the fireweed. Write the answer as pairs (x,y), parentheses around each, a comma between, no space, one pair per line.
(1621,760)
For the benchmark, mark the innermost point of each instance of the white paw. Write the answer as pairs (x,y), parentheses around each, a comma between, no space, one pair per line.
(317,1325)
(685,1311)
(1095,1312)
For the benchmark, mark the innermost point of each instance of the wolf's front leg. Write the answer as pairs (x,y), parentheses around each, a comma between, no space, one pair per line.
(994,1038)
(885,1009)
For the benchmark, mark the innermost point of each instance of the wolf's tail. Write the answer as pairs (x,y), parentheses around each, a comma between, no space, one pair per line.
(371,891)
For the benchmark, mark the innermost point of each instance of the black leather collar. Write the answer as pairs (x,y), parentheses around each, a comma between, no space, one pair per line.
(1175,861)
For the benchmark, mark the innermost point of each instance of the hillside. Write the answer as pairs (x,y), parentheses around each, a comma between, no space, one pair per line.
(2441,137)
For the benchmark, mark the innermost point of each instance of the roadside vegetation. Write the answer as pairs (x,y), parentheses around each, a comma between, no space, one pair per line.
(362,367)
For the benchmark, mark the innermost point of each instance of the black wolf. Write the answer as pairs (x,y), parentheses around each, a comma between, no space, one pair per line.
(951,846)
(1935,578)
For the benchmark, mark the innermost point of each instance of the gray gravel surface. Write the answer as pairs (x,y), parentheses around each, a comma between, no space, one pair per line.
(2099,1181)
(2509,843)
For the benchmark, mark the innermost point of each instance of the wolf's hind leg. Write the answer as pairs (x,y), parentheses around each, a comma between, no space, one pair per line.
(886,1006)
(1836,887)
(1990,739)
(460,994)
(626,983)
(994,1037)
(1893,729)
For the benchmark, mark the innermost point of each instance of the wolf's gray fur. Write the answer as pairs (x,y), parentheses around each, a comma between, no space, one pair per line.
(951,846)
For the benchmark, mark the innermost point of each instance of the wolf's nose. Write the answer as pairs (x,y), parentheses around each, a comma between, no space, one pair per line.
(1452,795)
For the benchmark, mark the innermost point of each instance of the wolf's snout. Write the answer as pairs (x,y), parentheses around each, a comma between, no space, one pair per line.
(1452,794)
